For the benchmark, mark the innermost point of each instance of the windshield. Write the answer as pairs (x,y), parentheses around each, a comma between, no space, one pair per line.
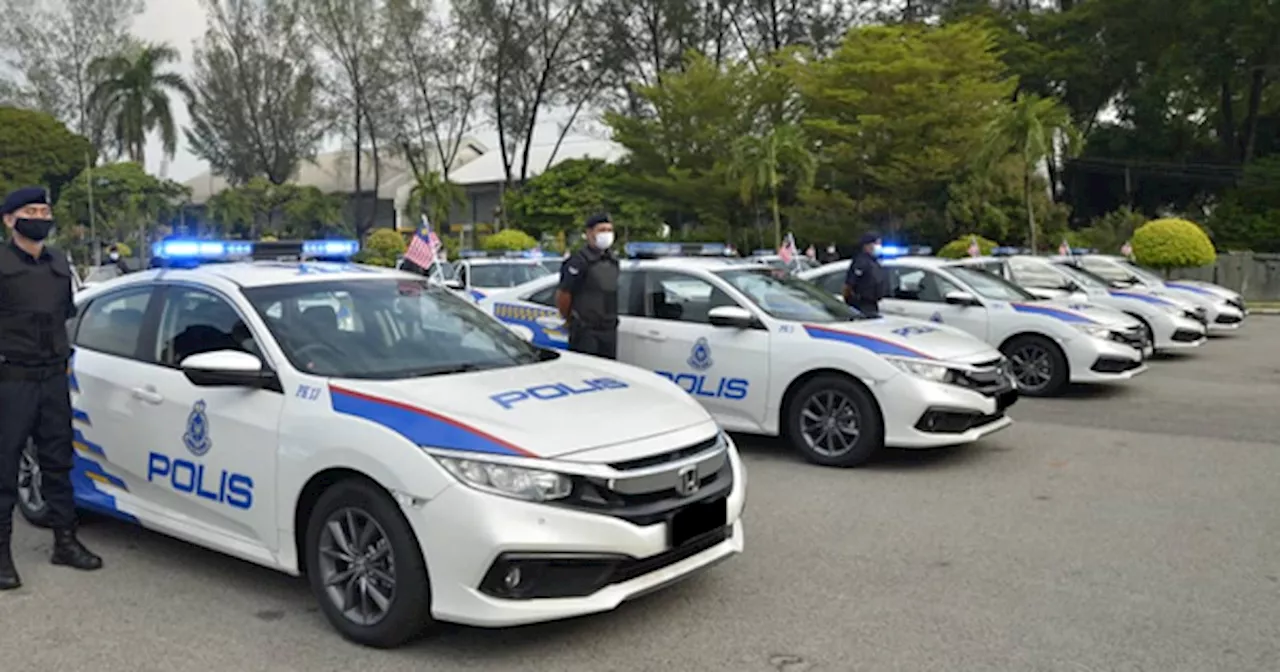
(1143,273)
(552,265)
(1084,278)
(505,275)
(385,328)
(989,286)
(1035,272)
(787,298)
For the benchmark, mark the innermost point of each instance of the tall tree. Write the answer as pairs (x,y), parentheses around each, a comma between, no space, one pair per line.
(1030,129)
(50,45)
(257,109)
(353,41)
(440,85)
(38,150)
(540,55)
(133,95)
(761,165)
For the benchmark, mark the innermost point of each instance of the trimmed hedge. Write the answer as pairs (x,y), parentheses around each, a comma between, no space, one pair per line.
(959,247)
(1172,243)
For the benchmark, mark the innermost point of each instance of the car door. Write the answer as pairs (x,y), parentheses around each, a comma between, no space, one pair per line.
(921,294)
(109,353)
(209,453)
(725,368)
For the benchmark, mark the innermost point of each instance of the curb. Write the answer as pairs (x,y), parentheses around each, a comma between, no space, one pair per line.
(1264,311)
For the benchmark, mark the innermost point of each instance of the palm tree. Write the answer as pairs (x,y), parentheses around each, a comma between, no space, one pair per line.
(1029,128)
(132,97)
(435,195)
(762,164)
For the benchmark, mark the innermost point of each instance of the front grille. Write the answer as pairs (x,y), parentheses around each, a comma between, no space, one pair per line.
(1228,319)
(663,458)
(987,378)
(1114,365)
(1186,336)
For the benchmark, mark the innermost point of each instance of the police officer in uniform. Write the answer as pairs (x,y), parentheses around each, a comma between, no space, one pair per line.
(113,255)
(35,397)
(588,293)
(866,282)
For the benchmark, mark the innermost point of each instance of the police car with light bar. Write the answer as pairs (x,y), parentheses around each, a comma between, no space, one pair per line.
(1224,309)
(1169,325)
(412,456)
(768,354)
(1048,345)
(478,273)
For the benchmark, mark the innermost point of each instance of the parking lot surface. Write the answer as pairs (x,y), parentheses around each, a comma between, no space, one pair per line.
(1120,529)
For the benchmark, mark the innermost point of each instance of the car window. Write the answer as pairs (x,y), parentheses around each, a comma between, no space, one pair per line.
(989,286)
(1036,274)
(786,298)
(1144,273)
(195,321)
(1082,277)
(1105,269)
(680,297)
(385,329)
(506,275)
(832,282)
(544,297)
(917,284)
(112,324)
(547,296)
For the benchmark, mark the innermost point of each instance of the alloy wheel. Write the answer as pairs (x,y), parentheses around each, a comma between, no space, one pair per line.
(357,566)
(830,423)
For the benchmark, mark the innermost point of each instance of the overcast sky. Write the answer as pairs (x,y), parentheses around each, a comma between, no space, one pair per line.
(181,22)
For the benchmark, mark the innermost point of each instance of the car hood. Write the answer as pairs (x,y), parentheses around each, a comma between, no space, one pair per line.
(1202,287)
(549,409)
(1070,310)
(901,337)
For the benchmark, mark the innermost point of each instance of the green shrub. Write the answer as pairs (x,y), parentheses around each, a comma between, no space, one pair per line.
(381,248)
(507,241)
(1172,243)
(959,247)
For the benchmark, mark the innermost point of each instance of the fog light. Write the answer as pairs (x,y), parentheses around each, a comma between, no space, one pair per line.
(512,579)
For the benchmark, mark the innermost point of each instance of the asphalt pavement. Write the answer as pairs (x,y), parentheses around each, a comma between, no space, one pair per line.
(1121,529)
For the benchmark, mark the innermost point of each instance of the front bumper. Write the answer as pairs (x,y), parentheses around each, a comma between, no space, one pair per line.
(1177,333)
(1225,318)
(923,414)
(469,537)
(1094,360)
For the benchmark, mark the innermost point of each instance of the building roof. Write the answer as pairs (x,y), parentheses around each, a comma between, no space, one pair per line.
(335,172)
(488,169)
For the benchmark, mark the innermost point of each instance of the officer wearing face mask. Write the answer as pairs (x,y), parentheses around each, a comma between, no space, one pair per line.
(35,396)
(588,294)
(866,282)
(113,254)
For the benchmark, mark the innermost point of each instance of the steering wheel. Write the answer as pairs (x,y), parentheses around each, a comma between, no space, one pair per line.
(322,352)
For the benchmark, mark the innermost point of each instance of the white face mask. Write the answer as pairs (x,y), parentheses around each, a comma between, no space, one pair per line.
(604,240)
(114,256)
(876,249)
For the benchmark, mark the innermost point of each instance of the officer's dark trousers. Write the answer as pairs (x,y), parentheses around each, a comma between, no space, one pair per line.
(598,342)
(868,308)
(36,404)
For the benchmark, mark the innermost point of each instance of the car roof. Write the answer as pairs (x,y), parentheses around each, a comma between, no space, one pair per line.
(264,273)
(494,261)
(921,262)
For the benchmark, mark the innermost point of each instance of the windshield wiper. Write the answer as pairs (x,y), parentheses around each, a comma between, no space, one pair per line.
(443,370)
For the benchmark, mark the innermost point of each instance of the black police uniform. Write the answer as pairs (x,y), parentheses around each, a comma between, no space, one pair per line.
(869,283)
(590,277)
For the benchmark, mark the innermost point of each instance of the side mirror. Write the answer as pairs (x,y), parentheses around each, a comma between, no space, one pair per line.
(226,368)
(454,283)
(961,299)
(731,316)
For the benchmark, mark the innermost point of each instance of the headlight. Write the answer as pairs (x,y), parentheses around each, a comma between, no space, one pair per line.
(1094,330)
(929,371)
(532,485)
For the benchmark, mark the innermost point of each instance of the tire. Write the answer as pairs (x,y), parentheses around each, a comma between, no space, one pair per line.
(1148,333)
(810,408)
(1051,378)
(392,552)
(31,502)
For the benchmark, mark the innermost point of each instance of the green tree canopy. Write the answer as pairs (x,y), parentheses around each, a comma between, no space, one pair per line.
(559,201)
(286,211)
(129,205)
(38,150)
(509,240)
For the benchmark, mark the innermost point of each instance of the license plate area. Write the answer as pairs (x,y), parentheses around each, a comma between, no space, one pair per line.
(696,520)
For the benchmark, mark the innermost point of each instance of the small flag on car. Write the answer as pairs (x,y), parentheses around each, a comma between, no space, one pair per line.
(974,250)
(1126,249)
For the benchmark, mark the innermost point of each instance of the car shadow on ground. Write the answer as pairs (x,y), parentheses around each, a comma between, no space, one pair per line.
(779,450)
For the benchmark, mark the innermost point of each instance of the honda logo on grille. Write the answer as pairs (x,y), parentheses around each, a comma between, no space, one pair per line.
(687,481)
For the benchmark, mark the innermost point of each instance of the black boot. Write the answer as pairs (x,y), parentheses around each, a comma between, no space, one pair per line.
(67,550)
(9,579)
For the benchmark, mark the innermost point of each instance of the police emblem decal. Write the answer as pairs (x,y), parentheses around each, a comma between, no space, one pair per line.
(700,356)
(196,437)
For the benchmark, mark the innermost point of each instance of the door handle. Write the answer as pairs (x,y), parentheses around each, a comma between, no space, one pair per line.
(147,394)
(655,336)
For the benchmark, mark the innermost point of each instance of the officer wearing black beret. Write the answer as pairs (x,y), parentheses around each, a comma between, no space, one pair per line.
(866,282)
(35,396)
(588,293)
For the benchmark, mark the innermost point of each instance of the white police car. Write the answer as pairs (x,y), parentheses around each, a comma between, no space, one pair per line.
(479,273)
(1168,324)
(776,356)
(410,455)
(1224,309)
(1048,345)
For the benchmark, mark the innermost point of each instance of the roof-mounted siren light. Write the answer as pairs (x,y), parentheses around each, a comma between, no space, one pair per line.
(1080,251)
(177,252)
(892,251)
(659,250)
(309,250)
(1007,251)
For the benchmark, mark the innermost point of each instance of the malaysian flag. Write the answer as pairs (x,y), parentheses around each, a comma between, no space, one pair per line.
(423,247)
(1126,249)
(974,250)
(788,249)
(1064,249)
